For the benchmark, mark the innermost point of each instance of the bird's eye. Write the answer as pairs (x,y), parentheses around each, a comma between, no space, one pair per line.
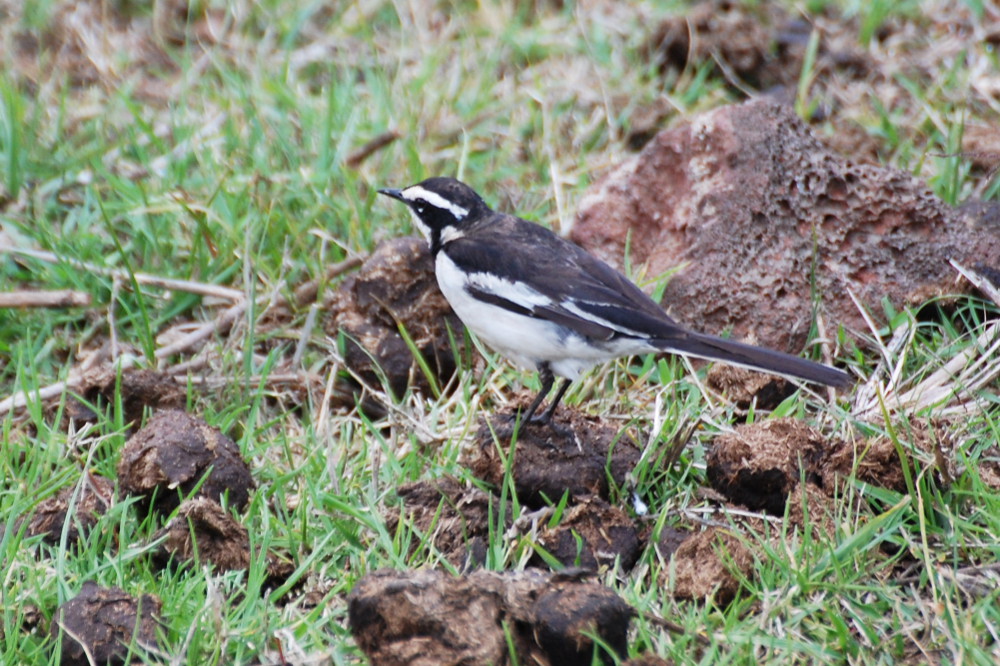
(420,209)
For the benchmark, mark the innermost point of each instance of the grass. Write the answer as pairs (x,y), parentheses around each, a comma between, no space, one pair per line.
(220,158)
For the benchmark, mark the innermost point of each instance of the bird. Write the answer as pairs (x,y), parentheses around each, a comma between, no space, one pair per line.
(548,305)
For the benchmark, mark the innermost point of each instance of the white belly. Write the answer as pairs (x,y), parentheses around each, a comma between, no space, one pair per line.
(527,341)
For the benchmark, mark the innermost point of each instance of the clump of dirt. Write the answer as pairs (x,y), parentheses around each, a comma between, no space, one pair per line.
(592,534)
(565,612)
(645,122)
(745,387)
(754,207)
(99,624)
(709,564)
(577,455)
(761,466)
(758,465)
(714,562)
(875,460)
(456,518)
(204,532)
(787,469)
(93,500)
(761,49)
(28,618)
(809,504)
(173,453)
(872,461)
(429,617)
(989,471)
(139,389)
(671,538)
(396,288)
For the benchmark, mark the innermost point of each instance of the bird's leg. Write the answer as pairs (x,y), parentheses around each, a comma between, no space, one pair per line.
(545,374)
(547,415)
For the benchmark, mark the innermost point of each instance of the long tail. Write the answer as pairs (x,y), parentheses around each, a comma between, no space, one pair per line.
(756,358)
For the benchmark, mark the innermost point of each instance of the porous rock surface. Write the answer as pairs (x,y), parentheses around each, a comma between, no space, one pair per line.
(760,215)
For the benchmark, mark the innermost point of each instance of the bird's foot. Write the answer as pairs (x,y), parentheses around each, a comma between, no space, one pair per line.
(546,421)
(538,424)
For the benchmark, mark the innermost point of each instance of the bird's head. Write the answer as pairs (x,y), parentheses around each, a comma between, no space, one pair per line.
(441,208)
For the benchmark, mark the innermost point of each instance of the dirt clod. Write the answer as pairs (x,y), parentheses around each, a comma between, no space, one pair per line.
(429,617)
(394,288)
(100,623)
(739,38)
(710,564)
(670,540)
(576,454)
(93,500)
(455,517)
(204,532)
(173,453)
(875,460)
(593,534)
(807,503)
(139,389)
(565,614)
(759,464)
(761,45)
(748,387)
(989,473)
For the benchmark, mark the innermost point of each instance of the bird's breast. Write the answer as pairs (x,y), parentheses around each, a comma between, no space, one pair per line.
(524,339)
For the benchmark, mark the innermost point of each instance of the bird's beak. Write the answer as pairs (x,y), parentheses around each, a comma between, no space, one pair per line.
(392,192)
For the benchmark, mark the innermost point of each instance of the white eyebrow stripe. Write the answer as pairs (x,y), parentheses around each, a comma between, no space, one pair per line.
(417,193)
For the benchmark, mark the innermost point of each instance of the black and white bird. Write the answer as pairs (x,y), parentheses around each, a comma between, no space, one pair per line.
(546,304)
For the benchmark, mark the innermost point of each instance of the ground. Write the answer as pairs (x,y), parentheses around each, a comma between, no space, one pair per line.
(199,178)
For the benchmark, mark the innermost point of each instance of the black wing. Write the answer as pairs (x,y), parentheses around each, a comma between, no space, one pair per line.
(556,280)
